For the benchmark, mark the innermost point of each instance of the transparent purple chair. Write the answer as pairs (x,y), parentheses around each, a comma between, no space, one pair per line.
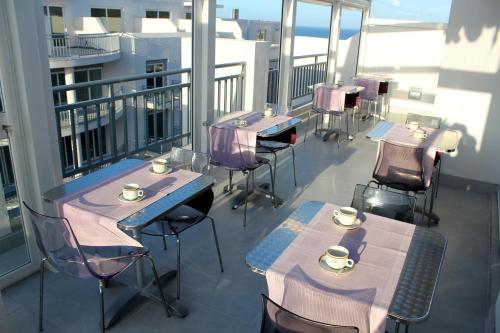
(60,248)
(276,319)
(232,150)
(370,94)
(180,219)
(401,167)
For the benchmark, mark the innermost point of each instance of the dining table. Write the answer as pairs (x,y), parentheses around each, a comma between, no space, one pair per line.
(395,275)
(94,196)
(260,127)
(335,101)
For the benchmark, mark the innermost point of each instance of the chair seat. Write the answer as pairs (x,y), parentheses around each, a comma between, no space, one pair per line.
(175,221)
(265,146)
(409,183)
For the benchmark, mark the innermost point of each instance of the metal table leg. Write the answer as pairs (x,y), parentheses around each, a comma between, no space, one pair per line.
(132,297)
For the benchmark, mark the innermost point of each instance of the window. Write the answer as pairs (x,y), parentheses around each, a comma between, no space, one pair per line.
(1,99)
(55,19)
(93,144)
(86,75)
(58,79)
(111,18)
(188,15)
(157,14)
(155,66)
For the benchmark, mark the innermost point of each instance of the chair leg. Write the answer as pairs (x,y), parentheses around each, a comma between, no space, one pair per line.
(164,237)
(275,163)
(423,209)
(293,163)
(246,203)
(216,243)
(272,187)
(157,280)
(40,309)
(407,328)
(101,306)
(178,266)
(437,178)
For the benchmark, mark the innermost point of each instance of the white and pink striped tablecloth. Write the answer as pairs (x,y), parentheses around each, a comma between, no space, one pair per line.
(358,298)
(402,135)
(331,98)
(233,146)
(93,214)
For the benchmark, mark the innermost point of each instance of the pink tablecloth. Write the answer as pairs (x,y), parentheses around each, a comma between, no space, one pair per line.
(329,98)
(234,147)
(94,213)
(402,135)
(359,298)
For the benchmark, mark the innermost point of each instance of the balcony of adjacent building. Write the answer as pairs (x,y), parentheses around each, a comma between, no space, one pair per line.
(82,49)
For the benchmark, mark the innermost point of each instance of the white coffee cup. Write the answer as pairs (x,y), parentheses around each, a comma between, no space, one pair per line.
(412,125)
(160,165)
(132,191)
(337,257)
(420,134)
(346,215)
(268,112)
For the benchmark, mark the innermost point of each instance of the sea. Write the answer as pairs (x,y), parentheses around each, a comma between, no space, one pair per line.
(323,32)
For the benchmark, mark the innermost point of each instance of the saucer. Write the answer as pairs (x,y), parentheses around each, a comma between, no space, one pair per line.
(121,198)
(323,264)
(160,173)
(353,226)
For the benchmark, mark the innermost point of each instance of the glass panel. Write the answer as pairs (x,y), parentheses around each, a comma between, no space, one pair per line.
(149,68)
(114,13)
(158,67)
(95,91)
(347,59)
(264,18)
(56,11)
(151,14)
(312,32)
(164,15)
(82,94)
(97,12)
(188,16)
(114,24)
(13,248)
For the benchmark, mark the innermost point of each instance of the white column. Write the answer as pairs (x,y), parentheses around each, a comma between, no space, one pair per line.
(333,42)
(362,41)
(286,52)
(25,74)
(203,69)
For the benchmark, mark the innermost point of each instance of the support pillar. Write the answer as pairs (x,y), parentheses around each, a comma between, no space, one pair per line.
(333,42)
(203,70)
(285,83)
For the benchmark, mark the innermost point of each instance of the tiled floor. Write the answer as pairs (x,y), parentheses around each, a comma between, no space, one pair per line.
(229,301)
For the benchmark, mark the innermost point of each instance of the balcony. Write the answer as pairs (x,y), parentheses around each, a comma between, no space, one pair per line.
(229,302)
(82,50)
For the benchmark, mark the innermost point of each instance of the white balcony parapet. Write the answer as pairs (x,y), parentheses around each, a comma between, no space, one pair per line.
(65,46)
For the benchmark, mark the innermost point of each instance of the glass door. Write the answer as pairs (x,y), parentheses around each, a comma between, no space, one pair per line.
(15,253)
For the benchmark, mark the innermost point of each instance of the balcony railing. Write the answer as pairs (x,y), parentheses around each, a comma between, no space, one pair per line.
(65,46)
(97,132)
(312,71)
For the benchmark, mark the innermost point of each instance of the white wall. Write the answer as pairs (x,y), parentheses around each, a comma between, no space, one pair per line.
(88,25)
(468,95)
(146,25)
(411,54)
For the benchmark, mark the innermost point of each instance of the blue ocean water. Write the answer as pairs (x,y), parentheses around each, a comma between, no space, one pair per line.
(323,32)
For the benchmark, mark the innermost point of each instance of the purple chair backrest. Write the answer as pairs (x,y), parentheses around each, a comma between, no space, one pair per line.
(232,148)
(371,88)
(56,241)
(399,164)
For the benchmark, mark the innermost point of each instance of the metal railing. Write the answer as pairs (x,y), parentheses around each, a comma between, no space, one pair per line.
(101,131)
(65,46)
(304,75)
(229,88)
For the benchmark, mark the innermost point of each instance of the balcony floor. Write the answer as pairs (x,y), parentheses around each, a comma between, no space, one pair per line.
(229,301)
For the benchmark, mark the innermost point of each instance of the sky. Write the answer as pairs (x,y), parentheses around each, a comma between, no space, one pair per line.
(314,15)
